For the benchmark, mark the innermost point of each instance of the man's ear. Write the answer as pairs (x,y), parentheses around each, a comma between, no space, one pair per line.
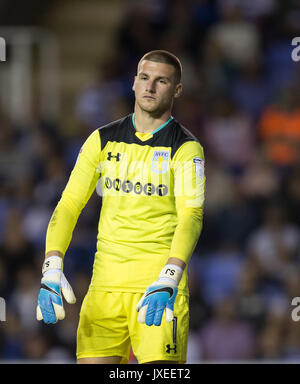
(178,90)
(133,85)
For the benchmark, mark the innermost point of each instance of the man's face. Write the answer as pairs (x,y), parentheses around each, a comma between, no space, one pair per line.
(155,86)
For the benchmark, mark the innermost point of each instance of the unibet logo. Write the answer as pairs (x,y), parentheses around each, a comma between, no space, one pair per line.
(138,188)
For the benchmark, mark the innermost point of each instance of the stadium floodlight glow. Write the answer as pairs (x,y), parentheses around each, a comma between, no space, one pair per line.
(2,49)
(2,309)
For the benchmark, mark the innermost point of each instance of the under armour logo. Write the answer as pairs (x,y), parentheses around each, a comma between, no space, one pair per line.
(169,349)
(110,156)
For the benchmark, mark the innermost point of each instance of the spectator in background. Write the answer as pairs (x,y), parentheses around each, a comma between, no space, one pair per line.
(216,200)
(291,342)
(219,272)
(259,183)
(251,305)
(254,10)
(236,220)
(250,89)
(228,135)
(291,195)
(15,250)
(11,345)
(67,329)
(218,197)
(36,346)
(139,29)
(21,301)
(281,71)
(190,111)
(41,144)
(279,129)
(230,44)
(237,39)
(200,308)
(269,339)
(95,104)
(34,224)
(14,160)
(103,100)
(22,194)
(199,314)
(47,191)
(274,246)
(5,281)
(225,337)
(260,180)
(178,38)
(202,14)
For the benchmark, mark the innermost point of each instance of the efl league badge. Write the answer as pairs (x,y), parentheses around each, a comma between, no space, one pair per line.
(199,166)
(160,161)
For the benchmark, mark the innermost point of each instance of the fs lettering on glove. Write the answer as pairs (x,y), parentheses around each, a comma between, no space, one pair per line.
(50,307)
(160,296)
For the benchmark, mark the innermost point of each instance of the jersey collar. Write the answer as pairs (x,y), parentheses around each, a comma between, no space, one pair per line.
(157,129)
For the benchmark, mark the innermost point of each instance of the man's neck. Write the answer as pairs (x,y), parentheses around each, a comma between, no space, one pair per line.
(146,123)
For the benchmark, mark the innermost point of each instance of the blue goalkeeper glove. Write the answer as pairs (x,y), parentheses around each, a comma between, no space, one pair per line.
(50,304)
(160,296)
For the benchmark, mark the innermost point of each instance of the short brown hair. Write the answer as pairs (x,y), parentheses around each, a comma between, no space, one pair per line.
(161,56)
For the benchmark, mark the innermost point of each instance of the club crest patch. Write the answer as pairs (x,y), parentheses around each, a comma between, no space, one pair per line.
(160,161)
(199,166)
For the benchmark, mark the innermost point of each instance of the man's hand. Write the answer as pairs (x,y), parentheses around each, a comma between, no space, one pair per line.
(160,296)
(50,304)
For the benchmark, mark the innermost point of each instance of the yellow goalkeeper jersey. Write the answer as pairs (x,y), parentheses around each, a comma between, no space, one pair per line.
(152,187)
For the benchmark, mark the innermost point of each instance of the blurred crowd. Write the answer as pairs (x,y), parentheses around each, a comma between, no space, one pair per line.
(241,99)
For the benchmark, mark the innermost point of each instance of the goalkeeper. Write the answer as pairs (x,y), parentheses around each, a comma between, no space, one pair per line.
(150,171)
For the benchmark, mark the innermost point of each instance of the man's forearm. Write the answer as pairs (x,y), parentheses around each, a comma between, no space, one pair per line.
(186,236)
(61,226)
